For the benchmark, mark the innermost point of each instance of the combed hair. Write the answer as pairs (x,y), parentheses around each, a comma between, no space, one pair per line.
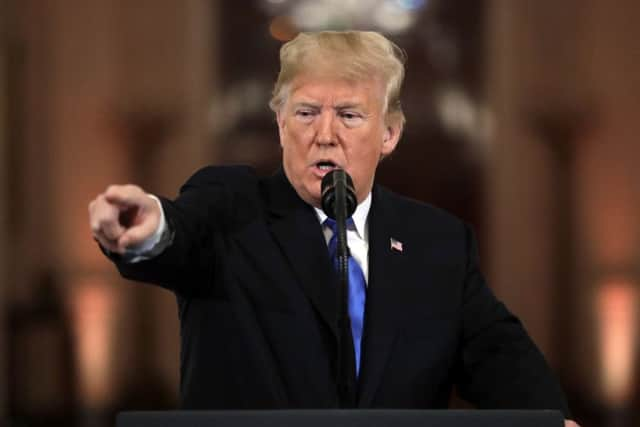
(353,55)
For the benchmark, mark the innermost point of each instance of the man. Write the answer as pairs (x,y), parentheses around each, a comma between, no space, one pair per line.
(247,258)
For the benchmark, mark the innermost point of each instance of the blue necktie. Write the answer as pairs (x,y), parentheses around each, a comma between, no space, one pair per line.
(357,289)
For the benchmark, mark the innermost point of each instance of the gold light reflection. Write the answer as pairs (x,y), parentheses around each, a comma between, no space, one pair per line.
(607,198)
(92,304)
(616,307)
(613,226)
(282,29)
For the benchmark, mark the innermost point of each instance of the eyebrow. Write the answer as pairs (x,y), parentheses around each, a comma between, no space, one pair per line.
(340,106)
(306,104)
(348,104)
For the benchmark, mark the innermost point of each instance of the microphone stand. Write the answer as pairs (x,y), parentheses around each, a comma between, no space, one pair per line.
(346,383)
(339,202)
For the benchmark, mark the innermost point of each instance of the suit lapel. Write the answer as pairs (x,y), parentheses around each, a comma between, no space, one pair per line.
(295,227)
(384,295)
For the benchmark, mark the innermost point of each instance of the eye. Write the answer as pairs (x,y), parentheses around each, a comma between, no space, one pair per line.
(351,118)
(304,114)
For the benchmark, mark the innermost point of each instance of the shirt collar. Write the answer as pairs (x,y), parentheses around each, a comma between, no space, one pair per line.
(359,216)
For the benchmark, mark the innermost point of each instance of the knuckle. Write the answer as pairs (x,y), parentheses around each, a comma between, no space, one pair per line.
(104,242)
(112,247)
(134,190)
(95,227)
(111,211)
(105,223)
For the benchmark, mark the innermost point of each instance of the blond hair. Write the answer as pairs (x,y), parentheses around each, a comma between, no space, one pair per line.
(353,55)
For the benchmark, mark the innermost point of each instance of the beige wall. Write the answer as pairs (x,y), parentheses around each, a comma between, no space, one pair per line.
(3,208)
(98,75)
(528,78)
(564,189)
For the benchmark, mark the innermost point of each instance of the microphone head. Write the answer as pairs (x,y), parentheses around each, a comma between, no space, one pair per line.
(333,184)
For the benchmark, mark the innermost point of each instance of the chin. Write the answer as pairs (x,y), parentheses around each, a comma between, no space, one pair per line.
(315,200)
(310,194)
(314,190)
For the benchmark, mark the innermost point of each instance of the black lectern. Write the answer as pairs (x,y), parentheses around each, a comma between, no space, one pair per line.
(343,418)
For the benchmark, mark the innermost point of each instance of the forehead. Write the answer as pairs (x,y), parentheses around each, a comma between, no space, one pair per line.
(336,90)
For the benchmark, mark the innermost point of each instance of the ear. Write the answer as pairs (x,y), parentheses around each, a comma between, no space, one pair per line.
(281,124)
(391,137)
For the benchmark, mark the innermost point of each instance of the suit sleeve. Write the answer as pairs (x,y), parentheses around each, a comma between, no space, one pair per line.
(198,220)
(501,367)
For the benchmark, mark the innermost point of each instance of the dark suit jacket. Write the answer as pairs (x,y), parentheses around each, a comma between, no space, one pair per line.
(257,305)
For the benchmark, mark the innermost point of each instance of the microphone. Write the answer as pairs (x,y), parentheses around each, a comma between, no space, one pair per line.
(338,196)
(338,200)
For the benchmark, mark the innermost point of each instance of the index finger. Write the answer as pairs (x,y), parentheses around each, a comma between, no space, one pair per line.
(124,195)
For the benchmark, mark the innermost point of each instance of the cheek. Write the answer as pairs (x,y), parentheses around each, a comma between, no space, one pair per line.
(365,161)
(294,159)
(296,138)
(366,152)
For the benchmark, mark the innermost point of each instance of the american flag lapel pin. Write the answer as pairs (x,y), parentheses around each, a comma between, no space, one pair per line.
(396,245)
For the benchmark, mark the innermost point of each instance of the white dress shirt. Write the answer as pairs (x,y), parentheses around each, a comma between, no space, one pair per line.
(357,236)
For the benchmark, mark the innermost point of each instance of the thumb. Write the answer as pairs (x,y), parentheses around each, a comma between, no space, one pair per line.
(137,234)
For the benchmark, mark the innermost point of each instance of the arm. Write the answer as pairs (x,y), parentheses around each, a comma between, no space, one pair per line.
(124,217)
(500,366)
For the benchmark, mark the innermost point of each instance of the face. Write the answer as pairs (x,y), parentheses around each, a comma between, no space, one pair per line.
(329,123)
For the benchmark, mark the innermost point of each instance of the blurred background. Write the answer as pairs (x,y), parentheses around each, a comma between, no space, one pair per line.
(523,119)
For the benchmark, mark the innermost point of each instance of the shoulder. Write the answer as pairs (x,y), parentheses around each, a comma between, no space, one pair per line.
(231,195)
(418,215)
(236,176)
(441,233)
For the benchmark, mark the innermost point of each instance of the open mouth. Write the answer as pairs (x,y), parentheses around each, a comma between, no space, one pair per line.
(326,165)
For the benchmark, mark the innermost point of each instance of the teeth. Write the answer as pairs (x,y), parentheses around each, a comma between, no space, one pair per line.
(325,167)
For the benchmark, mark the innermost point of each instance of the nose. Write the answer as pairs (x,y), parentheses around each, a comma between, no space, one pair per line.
(325,132)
